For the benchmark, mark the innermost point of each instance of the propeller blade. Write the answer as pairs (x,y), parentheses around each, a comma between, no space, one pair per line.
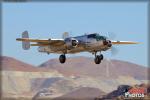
(114,51)
(111,35)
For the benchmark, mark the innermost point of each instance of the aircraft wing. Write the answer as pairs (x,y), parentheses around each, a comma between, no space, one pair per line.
(43,42)
(123,42)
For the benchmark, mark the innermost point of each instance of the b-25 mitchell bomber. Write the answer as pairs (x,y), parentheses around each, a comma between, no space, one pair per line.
(92,43)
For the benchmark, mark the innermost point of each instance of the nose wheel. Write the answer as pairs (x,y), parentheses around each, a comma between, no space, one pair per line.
(98,58)
(62,58)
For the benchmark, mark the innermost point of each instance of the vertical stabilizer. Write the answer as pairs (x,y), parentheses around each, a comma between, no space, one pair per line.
(65,35)
(25,45)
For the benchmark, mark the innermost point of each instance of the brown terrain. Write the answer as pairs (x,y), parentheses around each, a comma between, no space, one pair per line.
(11,64)
(86,66)
(86,93)
(78,77)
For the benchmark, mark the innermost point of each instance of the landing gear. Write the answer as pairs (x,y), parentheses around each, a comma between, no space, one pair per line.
(62,58)
(101,57)
(98,58)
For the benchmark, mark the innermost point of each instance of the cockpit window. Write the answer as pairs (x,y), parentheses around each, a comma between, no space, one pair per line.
(96,36)
(100,38)
(92,36)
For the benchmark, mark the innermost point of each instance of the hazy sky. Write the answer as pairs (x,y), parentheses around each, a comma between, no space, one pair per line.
(50,19)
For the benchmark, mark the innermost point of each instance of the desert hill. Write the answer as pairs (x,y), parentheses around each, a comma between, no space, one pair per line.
(18,78)
(54,80)
(84,93)
(12,64)
(86,66)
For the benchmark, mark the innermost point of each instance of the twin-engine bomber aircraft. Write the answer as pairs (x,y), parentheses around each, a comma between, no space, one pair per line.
(92,43)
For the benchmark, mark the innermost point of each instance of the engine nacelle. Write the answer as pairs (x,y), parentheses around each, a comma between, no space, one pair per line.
(71,43)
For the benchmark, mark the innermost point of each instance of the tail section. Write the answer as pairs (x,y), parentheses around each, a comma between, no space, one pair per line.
(25,44)
(65,35)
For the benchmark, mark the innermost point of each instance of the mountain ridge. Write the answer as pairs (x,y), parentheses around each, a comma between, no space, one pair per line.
(84,66)
(52,79)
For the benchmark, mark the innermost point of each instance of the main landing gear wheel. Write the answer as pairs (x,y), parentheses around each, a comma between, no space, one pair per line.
(98,58)
(101,57)
(62,58)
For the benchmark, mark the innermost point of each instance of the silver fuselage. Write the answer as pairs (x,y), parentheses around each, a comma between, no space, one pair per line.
(85,45)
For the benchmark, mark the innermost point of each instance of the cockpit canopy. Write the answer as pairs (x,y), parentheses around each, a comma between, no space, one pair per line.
(96,36)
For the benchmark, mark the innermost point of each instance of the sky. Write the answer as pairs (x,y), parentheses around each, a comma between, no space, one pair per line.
(128,21)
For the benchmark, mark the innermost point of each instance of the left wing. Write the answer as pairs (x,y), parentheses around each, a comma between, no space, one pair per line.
(42,42)
(123,42)
(38,42)
(33,40)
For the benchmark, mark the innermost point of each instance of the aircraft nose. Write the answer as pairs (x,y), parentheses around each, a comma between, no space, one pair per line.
(107,42)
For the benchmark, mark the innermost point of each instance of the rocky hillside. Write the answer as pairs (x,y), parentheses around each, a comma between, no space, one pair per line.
(108,68)
(12,64)
(18,78)
(84,93)
(54,80)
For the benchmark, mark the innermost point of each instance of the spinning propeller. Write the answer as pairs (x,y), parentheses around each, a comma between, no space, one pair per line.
(111,36)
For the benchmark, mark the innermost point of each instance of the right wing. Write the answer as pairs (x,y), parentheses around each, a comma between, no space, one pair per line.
(123,42)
